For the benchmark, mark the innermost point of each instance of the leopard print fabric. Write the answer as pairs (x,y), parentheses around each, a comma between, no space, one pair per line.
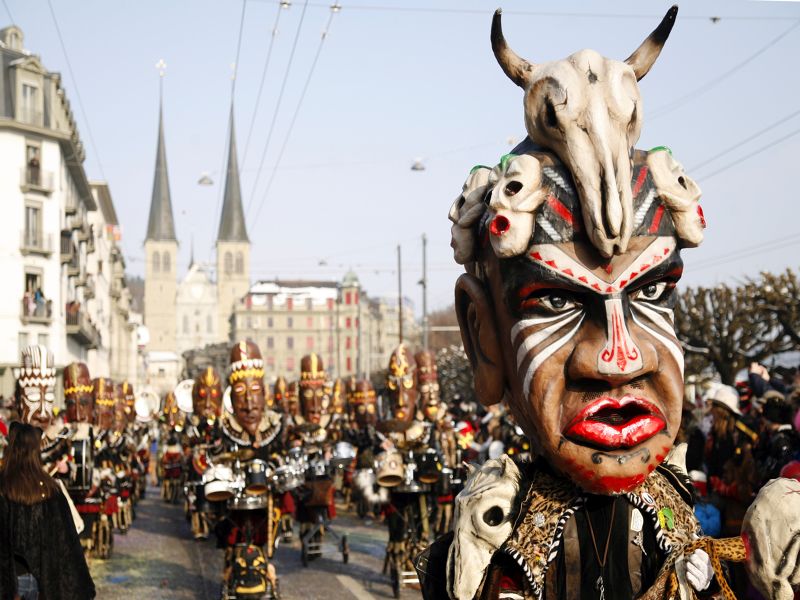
(551,501)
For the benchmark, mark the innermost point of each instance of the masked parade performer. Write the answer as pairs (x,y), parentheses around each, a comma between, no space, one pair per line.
(138,439)
(571,246)
(202,436)
(171,461)
(362,433)
(251,438)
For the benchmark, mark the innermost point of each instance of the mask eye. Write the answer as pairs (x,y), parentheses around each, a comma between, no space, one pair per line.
(214,393)
(652,292)
(203,392)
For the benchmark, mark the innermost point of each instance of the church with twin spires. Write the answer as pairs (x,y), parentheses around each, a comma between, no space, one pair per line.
(196,310)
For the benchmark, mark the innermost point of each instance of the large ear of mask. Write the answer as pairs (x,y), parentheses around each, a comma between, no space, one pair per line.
(771,530)
(484,517)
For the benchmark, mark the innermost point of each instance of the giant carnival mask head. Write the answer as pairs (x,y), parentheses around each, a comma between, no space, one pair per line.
(401,384)
(78,393)
(246,378)
(363,404)
(571,324)
(120,409)
(129,401)
(104,402)
(279,395)
(312,387)
(428,384)
(207,394)
(36,380)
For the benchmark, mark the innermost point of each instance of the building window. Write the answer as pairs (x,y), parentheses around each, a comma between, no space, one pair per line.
(269,322)
(309,304)
(249,322)
(270,343)
(197,326)
(209,325)
(355,297)
(44,340)
(22,340)
(309,343)
(348,323)
(289,303)
(33,165)
(166,262)
(347,343)
(290,343)
(239,263)
(289,322)
(330,344)
(271,363)
(330,303)
(33,227)
(309,322)
(30,105)
(290,364)
(185,323)
(228,268)
(156,262)
(348,298)
(349,364)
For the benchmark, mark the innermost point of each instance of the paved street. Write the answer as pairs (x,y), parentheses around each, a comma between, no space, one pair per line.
(157,559)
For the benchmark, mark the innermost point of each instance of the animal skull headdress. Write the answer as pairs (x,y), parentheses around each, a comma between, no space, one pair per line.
(586,109)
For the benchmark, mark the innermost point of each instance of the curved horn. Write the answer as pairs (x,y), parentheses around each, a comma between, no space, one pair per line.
(517,68)
(646,54)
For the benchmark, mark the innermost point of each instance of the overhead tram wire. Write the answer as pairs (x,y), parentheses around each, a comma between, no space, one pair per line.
(698,91)
(759,248)
(233,93)
(738,161)
(534,13)
(263,79)
(77,92)
(277,106)
(750,138)
(8,11)
(334,9)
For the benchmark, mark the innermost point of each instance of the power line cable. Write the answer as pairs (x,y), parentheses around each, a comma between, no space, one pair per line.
(334,9)
(745,140)
(263,79)
(736,258)
(751,154)
(8,10)
(278,105)
(77,92)
(238,50)
(678,102)
(747,251)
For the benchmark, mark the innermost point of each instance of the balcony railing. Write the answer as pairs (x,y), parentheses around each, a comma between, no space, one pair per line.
(80,327)
(88,286)
(36,311)
(36,243)
(35,179)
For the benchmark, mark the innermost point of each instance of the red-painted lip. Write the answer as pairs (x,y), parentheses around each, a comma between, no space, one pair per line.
(645,421)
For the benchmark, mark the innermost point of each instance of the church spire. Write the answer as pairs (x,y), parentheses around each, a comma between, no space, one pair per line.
(160,225)
(231,224)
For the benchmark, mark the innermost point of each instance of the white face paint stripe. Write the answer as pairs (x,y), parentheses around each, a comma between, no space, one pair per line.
(638,217)
(672,345)
(661,321)
(546,353)
(531,341)
(523,324)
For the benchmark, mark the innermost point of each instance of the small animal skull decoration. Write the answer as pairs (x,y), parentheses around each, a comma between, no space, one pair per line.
(465,212)
(680,194)
(588,110)
(771,530)
(516,195)
(485,512)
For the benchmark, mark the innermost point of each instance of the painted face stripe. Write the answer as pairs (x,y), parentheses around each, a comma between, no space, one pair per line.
(531,341)
(640,213)
(640,179)
(670,343)
(546,353)
(656,220)
(525,323)
(563,212)
(663,322)
(548,228)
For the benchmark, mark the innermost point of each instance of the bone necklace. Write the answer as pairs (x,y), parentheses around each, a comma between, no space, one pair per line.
(599,584)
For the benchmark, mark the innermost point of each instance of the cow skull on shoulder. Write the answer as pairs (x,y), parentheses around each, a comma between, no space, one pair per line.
(484,517)
(587,109)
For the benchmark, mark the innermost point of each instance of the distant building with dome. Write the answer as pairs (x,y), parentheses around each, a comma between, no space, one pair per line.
(352,333)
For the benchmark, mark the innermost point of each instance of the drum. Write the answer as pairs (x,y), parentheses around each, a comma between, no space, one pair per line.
(257,476)
(389,468)
(343,455)
(81,451)
(288,478)
(218,483)
(444,485)
(428,467)
(248,502)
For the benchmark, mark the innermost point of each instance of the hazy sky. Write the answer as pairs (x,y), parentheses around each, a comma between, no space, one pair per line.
(397,80)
